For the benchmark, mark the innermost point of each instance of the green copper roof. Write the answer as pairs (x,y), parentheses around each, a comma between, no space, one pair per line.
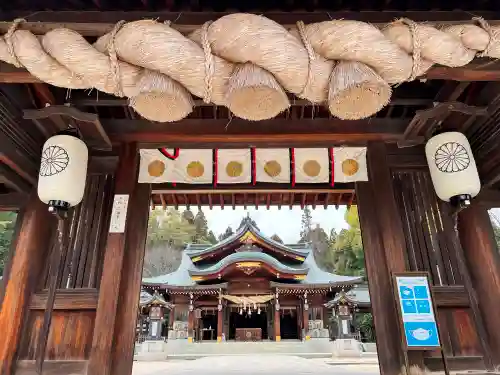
(359,295)
(249,256)
(314,275)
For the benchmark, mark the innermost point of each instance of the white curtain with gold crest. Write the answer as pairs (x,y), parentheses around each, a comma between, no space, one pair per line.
(244,166)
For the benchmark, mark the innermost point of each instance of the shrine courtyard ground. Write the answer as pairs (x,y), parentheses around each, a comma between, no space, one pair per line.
(258,364)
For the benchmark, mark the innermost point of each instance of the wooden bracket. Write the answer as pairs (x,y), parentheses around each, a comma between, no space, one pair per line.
(87,123)
(425,122)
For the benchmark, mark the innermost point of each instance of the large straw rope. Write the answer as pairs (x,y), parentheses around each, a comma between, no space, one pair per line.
(246,62)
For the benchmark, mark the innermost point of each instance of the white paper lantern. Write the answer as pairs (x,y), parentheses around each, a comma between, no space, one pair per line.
(63,171)
(452,166)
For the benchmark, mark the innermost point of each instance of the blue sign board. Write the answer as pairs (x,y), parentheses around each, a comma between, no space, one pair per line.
(419,322)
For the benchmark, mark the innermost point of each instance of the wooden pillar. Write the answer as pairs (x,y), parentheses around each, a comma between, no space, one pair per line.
(277,325)
(305,323)
(171,318)
(483,260)
(100,361)
(26,266)
(220,323)
(130,285)
(384,245)
(190,326)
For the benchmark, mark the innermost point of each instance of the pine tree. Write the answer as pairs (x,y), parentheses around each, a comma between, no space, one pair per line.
(201,228)
(246,220)
(211,238)
(7,221)
(276,238)
(305,233)
(228,233)
(188,216)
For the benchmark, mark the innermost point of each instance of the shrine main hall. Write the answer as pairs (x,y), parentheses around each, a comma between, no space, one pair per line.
(248,288)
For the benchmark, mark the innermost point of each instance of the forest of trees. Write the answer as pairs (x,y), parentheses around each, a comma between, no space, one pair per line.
(7,222)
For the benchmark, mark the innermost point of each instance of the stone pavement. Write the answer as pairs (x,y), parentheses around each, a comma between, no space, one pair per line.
(251,365)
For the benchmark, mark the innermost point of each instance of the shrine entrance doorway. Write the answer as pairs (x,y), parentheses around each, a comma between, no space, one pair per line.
(208,325)
(289,324)
(247,325)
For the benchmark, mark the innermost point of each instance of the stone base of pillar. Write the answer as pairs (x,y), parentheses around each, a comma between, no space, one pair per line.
(346,348)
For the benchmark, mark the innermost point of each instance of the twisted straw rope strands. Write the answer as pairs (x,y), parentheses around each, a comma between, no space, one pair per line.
(248,62)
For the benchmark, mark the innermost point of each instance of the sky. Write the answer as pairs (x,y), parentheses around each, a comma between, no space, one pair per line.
(285,223)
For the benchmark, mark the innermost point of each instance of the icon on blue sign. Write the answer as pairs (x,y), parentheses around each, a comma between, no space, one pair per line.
(421,292)
(423,306)
(409,307)
(421,334)
(406,292)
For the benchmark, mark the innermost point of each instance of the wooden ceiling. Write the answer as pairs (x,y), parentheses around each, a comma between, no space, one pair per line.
(255,5)
(263,196)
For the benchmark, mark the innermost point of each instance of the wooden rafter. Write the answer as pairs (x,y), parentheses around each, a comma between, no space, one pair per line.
(176,202)
(163,202)
(257,199)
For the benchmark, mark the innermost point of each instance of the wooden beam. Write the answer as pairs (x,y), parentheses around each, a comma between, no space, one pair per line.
(242,133)
(13,180)
(12,201)
(18,161)
(98,23)
(244,188)
(82,99)
(464,73)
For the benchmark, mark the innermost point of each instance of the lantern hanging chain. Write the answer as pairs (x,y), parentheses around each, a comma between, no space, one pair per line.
(55,273)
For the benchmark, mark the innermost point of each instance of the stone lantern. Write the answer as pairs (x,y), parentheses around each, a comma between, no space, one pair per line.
(343,309)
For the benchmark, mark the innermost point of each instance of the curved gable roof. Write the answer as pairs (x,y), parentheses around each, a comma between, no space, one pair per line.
(245,256)
(199,252)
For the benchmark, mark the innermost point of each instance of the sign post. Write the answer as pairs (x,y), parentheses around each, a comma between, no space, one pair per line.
(418,320)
